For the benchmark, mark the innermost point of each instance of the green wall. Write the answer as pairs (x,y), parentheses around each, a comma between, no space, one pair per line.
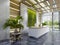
(31,17)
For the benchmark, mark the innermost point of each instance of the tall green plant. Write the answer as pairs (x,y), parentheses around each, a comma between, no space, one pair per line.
(13,23)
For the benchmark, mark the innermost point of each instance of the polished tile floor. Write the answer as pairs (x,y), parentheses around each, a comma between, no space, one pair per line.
(50,38)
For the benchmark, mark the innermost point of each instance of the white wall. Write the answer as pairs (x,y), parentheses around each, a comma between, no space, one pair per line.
(24,14)
(4,14)
(37,19)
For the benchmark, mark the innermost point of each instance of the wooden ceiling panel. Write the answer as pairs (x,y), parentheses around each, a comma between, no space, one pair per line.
(14,6)
(14,13)
(17,2)
(51,2)
(57,1)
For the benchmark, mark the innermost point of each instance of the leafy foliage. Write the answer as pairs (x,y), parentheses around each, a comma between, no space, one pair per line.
(44,23)
(31,17)
(13,23)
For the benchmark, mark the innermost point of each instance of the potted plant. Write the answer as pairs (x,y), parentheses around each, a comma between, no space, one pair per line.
(14,23)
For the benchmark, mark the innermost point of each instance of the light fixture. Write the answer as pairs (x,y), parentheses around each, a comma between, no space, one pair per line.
(42,4)
(42,8)
(13,16)
(33,1)
(55,6)
(27,2)
(46,8)
(37,6)
(48,3)
(44,11)
(14,3)
(40,0)
(14,9)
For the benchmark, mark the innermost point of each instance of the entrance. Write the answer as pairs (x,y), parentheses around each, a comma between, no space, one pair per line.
(55,21)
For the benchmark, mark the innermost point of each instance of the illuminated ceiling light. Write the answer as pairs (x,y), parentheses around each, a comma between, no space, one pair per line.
(48,3)
(14,9)
(42,8)
(48,10)
(33,1)
(40,0)
(42,4)
(54,1)
(54,6)
(37,6)
(14,3)
(13,16)
(47,7)
(27,2)
(19,0)
(44,11)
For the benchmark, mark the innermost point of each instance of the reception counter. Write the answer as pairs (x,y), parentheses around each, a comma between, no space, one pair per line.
(37,32)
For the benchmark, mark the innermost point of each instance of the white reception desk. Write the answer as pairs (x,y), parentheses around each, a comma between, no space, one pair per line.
(37,32)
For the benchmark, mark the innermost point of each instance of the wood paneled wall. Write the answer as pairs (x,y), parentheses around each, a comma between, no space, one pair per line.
(14,8)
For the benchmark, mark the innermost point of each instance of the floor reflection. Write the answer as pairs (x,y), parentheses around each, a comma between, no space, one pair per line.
(50,38)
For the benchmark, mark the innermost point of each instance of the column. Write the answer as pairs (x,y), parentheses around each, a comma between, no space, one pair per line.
(23,11)
(4,15)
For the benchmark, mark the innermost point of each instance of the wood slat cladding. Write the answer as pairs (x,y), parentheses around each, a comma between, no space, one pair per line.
(17,2)
(13,12)
(14,8)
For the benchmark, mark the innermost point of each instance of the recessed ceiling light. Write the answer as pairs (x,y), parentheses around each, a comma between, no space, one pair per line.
(14,9)
(40,0)
(13,16)
(33,1)
(48,3)
(54,6)
(42,4)
(37,6)
(44,11)
(47,8)
(42,8)
(14,3)
(27,2)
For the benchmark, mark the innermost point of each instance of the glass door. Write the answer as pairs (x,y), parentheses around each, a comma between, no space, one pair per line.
(55,21)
